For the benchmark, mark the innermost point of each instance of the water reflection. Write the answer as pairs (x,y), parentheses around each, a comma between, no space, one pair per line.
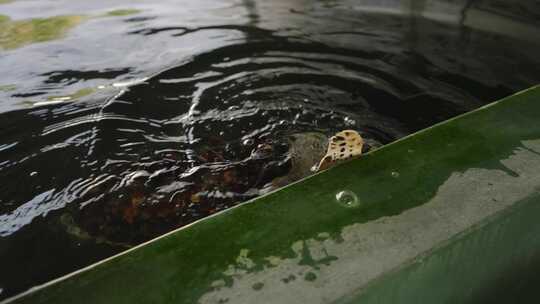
(15,34)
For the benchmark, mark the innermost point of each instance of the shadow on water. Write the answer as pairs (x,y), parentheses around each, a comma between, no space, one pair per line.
(147,119)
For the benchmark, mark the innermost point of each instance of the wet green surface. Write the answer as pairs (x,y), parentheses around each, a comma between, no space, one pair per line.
(461,196)
(496,262)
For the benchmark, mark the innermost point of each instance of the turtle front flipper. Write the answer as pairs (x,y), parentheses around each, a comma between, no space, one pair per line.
(74,230)
(342,146)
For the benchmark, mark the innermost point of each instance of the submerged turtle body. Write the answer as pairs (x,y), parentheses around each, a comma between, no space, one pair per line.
(146,204)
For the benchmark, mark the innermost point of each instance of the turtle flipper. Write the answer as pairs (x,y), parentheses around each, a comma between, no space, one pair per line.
(344,145)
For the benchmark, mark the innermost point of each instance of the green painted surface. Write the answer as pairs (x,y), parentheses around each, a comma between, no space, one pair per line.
(447,215)
(498,262)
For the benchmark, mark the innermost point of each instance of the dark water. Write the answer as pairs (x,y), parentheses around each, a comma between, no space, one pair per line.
(139,118)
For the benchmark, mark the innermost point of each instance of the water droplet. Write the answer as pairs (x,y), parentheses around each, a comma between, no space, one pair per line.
(33,173)
(347,199)
(395,174)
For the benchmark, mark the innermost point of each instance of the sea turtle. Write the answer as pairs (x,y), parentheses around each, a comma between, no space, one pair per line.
(144,205)
(312,151)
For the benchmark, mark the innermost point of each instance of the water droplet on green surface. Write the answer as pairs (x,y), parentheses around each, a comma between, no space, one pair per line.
(347,199)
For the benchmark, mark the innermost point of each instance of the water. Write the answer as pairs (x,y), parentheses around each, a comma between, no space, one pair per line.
(121,122)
